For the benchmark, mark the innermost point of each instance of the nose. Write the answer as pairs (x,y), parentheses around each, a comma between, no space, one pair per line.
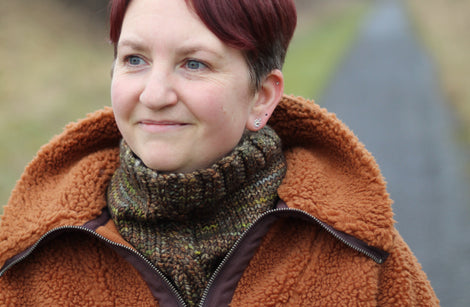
(158,91)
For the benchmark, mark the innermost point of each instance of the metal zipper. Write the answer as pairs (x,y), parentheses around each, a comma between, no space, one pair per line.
(173,289)
(229,255)
(214,276)
(245,234)
(335,234)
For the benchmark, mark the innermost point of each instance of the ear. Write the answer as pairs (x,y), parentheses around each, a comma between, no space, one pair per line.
(266,99)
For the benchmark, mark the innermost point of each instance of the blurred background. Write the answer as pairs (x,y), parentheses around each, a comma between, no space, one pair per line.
(55,68)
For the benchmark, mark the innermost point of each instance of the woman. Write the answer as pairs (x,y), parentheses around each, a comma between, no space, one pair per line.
(181,195)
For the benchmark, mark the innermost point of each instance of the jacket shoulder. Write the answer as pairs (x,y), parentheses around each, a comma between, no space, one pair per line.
(402,280)
(74,269)
(64,184)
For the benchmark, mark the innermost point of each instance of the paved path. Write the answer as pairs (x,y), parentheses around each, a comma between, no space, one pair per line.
(387,92)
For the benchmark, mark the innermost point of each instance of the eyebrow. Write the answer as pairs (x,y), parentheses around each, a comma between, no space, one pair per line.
(190,49)
(184,50)
(134,44)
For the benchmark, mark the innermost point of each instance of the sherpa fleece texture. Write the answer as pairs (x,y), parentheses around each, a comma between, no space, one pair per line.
(329,175)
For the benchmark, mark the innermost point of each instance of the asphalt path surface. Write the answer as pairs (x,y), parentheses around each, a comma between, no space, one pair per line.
(387,91)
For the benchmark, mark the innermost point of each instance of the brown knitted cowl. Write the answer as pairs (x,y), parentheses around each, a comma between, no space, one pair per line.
(186,223)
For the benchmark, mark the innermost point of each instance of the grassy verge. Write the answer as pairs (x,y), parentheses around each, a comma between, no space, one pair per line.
(444,26)
(319,46)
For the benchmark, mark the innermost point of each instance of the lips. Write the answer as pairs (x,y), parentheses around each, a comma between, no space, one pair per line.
(160,122)
(160,126)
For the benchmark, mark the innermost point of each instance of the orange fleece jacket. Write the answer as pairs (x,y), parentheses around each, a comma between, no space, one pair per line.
(330,175)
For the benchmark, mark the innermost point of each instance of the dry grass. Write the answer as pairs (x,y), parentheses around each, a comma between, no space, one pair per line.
(445,28)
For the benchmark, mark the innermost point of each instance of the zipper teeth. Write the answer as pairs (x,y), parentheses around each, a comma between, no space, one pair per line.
(162,276)
(237,243)
(97,235)
(30,250)
(228,256)
(334,234)
(219,267)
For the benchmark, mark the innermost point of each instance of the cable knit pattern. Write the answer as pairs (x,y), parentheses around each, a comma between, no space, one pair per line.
(186,223)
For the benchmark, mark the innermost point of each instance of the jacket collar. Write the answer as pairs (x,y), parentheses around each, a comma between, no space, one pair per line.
(330,175)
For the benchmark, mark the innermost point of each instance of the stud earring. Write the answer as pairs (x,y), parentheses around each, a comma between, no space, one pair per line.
(258,122)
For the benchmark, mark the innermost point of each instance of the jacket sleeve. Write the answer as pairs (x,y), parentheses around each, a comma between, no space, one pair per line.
(402,281)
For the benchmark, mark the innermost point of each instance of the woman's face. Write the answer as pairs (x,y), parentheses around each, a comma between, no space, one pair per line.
(181,97)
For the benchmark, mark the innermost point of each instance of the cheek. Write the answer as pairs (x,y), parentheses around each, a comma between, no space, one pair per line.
(217,108)
(227,101)
(122,96)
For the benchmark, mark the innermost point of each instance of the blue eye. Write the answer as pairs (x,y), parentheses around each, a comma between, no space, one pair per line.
(134,60)
(194,65)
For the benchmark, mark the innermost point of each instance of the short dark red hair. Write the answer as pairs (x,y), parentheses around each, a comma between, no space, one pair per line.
(262,29)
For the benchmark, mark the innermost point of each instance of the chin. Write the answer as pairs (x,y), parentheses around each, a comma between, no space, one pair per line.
(161,166)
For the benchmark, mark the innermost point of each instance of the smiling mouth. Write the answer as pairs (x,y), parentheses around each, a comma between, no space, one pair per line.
(160,126)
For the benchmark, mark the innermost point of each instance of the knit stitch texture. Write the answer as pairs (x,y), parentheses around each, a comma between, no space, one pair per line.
(186,223)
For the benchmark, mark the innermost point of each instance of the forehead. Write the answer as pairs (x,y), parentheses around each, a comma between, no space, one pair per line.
(157,18)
